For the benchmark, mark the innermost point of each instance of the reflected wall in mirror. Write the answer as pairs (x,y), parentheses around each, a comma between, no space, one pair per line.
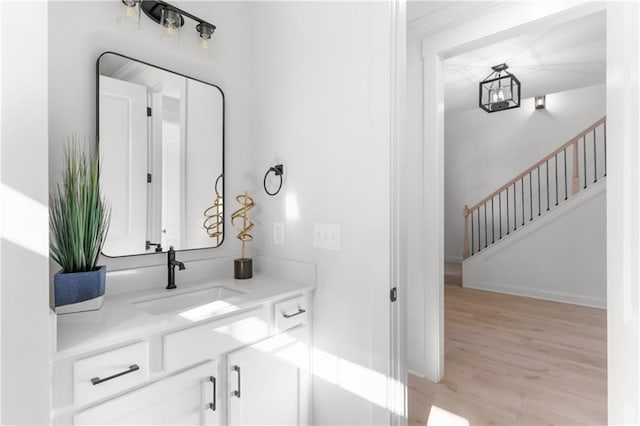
(161,142)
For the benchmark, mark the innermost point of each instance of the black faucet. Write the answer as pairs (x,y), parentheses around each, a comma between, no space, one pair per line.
(171,265)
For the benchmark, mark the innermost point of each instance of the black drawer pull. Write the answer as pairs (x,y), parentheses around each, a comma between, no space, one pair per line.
(98,380)
(212,404)
(300,311)
(237,392)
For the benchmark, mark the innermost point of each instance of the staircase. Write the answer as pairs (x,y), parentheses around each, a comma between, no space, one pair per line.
(543,233)
(572,167)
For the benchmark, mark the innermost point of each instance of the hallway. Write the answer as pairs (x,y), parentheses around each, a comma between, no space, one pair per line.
(515,360)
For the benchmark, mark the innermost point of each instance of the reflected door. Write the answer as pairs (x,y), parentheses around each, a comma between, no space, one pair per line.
(171,186)
(123,162)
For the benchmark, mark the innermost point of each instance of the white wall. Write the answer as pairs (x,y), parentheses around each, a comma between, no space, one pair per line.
(24,263)
(91,29)
(320,104)
(560,256)
(484,151)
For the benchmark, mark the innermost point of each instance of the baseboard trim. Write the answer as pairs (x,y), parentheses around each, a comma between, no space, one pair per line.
(553,296)
(414,373)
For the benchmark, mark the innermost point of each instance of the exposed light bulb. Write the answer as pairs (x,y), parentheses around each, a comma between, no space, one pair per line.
(500,95)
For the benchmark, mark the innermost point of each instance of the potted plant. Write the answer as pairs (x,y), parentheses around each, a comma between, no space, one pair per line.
(79,220)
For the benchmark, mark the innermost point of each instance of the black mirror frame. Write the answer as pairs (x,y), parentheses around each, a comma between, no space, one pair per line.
(223,141)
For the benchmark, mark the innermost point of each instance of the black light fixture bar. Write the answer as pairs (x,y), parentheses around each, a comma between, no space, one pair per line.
(153,10)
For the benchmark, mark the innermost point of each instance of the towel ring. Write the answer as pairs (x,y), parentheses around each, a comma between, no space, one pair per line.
(278,170)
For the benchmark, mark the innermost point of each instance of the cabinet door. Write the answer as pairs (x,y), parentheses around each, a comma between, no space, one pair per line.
(268,381)
(186,398)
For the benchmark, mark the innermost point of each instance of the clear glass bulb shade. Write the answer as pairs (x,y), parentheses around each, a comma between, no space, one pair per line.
(205,47)
(170,23)
(205,39)
(129,18)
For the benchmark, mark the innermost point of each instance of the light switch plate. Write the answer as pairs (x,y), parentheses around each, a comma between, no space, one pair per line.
(278,233)
(326,236)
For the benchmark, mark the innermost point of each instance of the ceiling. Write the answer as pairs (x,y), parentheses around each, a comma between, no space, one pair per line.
(545,59)
(417,9)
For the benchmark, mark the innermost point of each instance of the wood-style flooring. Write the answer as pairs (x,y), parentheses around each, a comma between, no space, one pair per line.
(513,360)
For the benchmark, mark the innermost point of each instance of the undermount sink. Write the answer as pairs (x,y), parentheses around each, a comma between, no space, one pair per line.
(176,300)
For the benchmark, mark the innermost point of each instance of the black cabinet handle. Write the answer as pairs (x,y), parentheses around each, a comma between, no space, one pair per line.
(98,380)
(237,392)
(212,404)
(300,311)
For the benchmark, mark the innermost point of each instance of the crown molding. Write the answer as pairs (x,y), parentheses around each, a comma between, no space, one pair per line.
(453,14)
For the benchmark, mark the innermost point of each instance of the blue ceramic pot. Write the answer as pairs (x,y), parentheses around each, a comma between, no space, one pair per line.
(78,287)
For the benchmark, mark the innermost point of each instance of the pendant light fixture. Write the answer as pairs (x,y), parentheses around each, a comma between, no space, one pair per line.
(171,20)
(500,90)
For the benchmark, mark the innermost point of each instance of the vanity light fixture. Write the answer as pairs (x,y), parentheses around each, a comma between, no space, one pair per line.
(170,19)
(500,90)
(541,102)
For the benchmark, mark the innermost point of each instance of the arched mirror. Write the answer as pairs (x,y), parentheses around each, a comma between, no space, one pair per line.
(161,144)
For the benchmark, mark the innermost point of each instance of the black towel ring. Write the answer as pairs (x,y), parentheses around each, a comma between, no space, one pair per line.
(278,170)
(219,178)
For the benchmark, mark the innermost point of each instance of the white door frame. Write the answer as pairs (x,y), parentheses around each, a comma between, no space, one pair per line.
(397,384)
(623,188)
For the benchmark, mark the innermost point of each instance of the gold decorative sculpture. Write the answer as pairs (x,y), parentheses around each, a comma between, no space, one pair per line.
(243,267)
(213,216)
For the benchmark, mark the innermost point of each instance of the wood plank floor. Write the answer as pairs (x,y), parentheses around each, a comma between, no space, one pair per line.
(513,360)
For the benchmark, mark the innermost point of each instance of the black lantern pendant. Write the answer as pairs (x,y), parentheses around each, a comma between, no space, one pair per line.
(500,90)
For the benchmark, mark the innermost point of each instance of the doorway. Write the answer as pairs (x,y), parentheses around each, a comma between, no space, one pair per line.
(433,53)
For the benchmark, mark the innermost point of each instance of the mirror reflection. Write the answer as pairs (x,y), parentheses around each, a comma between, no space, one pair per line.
(161,142)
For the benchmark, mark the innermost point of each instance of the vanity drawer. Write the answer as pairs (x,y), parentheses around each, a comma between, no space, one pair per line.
(192,345)
(104,374)
(290,313)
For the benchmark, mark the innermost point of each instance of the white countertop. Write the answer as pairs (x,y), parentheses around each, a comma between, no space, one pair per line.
(119,320)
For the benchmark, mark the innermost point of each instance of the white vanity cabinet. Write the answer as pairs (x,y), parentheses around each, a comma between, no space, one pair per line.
(186,398)
(245,367)
(268,381)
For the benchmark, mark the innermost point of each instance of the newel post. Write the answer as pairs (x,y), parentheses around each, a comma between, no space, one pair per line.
(575,181)
(465,250)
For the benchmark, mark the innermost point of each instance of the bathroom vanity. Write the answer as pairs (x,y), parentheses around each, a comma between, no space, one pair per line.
(215,351)
(199,347)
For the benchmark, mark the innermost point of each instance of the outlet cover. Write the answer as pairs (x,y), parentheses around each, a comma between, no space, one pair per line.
(278,233)
(326,236)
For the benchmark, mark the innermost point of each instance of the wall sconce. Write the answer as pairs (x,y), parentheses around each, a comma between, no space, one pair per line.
(500,90)
(541,102)
(170,18)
